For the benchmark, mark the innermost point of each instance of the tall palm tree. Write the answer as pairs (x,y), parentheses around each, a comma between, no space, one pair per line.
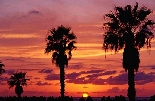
(1,68)
(61,42)
(18,80)
(130,29)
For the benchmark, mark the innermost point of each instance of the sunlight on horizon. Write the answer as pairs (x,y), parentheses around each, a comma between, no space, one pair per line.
(85,95)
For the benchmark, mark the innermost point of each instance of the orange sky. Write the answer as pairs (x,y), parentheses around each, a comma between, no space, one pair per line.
(23,27)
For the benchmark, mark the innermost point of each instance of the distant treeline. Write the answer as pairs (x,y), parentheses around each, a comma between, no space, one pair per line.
(67,98)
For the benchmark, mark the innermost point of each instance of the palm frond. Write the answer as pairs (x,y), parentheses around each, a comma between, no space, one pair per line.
(17,79)
(59,42)
(128,27)
(135,8)
(127,20)
(11,83)
(143,13)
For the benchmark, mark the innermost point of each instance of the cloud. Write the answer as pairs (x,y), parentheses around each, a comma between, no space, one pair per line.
(52,77)
(34,12)
(36,78)
(94,75)
(76,65)
(40,83)
(15,59)
(45,71)
(31,82)
(91,78)
(116,90)
(18,36)
(2,83)
(99,81)
(4,78)
(117,80)
(92,71)
(73,75)
(150,66)
(142,78)
(85,87)
(152,73)
(153,67)
(97,74)
(109,72)
(10,71)
(80,80)
(83,80)
(31,13)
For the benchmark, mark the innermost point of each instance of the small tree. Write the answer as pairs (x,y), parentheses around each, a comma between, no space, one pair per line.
(128,28)
(18,80)
(1,68)
(61,42)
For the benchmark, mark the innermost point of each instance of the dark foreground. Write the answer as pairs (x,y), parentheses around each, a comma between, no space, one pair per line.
(41,98)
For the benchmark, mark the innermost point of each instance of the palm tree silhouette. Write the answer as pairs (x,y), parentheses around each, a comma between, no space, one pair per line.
(18,80)
(1,68)
(128,28)
(61,42)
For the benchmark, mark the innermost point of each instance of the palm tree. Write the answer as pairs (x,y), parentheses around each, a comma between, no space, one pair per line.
(18,80)
(1,68)
(61,42)
(128,28)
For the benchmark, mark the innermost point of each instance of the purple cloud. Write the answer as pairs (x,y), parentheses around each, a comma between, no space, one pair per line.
(80,80)
(101,74)
(92,71)
(4,78)
(92,78)
(94,75)
(45,71)
(34,12)
(121,79)
(73,75)
(10,71)
(99,82)
(109,72)
(142,78)
(116,90)
(153,67)
(40,83)
(52,77)
(83,80)
(117,80)
(76,65)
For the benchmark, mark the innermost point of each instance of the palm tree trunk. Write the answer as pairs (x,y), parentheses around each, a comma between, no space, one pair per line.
(131,83)
(19,90)
(62,80)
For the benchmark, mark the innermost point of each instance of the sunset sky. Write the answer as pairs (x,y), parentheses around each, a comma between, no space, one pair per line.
(23,27)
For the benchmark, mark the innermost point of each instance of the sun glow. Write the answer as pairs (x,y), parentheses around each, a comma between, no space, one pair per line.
(85,95)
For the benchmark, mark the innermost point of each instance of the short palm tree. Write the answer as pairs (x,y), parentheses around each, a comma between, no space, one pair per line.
(1,68)
(18,80)
(61,42)
(128,28)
